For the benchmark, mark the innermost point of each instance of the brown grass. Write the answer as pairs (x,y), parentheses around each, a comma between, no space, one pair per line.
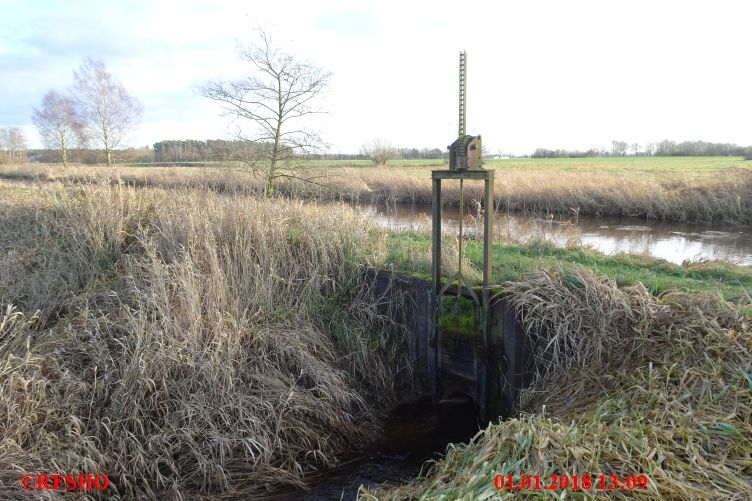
(183,342)
(679,196)
(629,384)
(186,343)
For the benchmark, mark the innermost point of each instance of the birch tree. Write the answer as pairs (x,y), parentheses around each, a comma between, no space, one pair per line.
(106,110)
(12,145)
(58,124)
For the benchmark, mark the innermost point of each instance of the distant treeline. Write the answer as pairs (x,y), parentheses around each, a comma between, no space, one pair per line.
(662,149)
(403,153)
(92,156)
(191,150)
(202,151)
(560,153)
(218,150)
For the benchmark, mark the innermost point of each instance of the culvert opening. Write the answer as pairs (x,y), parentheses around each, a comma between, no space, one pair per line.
(418,431)
(413,433)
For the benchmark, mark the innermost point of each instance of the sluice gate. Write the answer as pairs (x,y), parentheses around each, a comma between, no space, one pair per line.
(465,340)
(450,356)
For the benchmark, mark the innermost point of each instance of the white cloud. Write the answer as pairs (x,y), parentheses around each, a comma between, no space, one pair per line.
(551,74)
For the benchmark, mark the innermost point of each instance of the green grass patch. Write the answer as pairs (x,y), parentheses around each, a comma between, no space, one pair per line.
(661,168)
(411,252)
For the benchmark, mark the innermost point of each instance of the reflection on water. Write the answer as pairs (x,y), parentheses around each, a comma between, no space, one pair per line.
(673,242)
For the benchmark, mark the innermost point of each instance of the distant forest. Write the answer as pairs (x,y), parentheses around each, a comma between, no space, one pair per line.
(218,150)
(662,149)
(198,151)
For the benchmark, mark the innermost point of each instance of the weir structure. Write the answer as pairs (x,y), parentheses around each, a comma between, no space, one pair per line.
(450,358)
(465,340)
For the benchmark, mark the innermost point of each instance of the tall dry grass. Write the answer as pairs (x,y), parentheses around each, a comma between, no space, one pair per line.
(183,342)
(724,198)
(628,384)
(680,197)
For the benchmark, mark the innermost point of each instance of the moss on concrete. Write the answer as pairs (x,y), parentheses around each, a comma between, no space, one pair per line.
(457,316)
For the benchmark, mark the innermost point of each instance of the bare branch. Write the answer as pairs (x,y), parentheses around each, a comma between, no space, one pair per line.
(379,151)
(277,93)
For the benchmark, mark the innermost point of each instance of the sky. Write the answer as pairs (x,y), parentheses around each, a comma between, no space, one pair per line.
(556,74)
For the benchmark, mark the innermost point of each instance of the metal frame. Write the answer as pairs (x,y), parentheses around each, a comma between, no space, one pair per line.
(488,177)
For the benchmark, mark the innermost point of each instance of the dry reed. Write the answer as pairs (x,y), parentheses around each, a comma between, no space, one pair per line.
(183,342)
(683,198)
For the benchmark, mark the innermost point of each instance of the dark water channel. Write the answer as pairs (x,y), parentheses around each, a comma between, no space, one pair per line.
(413,433)
(674,242)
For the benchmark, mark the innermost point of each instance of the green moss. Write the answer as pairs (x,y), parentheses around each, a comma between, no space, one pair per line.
(457,315)
(422,276)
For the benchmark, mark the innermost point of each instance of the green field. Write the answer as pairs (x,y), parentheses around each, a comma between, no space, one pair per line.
(654,166)
(657,167)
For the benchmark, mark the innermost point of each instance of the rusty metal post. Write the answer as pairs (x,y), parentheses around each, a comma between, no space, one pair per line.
(487,237)
(433,344)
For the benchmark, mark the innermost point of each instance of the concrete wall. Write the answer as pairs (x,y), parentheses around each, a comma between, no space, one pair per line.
(506,360)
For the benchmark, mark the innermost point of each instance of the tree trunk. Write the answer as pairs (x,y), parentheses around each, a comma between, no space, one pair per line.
(63,149)
(275,149)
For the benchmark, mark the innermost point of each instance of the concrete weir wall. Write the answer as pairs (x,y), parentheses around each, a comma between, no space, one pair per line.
(492,373)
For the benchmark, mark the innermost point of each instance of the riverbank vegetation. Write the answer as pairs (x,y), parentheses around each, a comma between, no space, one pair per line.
(410,252)
(629,384)
(683,189)
(184,342)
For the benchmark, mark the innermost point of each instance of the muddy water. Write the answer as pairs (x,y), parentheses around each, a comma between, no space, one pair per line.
(413,434)
(674,242)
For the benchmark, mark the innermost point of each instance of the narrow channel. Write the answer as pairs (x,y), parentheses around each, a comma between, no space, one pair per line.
(413,433)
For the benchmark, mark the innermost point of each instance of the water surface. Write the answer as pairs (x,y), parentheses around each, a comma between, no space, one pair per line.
(413,433)
(674,242)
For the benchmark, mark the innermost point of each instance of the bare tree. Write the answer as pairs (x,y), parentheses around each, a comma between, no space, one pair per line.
(105,108)
(272,103)
(58,123)
(12,145)
(379,151)
(618,148)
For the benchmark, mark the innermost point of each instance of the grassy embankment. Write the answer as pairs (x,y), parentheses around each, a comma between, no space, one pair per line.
(192,343)
(686,189)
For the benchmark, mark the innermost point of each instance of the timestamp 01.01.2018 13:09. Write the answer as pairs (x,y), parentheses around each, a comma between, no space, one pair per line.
(554,482)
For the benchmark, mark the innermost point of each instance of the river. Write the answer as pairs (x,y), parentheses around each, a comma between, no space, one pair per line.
(674,242)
